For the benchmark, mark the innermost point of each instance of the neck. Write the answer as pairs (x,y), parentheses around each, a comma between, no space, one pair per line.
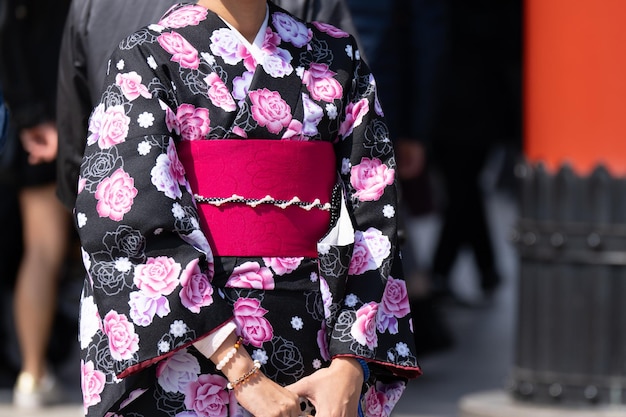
(244,15)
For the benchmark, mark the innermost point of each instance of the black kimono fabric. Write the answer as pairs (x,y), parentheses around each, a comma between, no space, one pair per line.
(154,286)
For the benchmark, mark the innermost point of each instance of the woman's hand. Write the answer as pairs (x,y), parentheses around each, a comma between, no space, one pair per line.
(334,391)
(264,398)
(259,395)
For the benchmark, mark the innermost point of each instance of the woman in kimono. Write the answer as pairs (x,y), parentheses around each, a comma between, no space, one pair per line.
(237,213)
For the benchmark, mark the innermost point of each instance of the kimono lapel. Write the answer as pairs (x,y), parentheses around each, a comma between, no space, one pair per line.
(278,73)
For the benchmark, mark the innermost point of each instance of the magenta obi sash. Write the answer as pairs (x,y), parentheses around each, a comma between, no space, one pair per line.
(260,197)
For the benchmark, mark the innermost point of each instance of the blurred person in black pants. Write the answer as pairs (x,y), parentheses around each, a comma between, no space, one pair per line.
(405,42)
(30,36)
(481,108)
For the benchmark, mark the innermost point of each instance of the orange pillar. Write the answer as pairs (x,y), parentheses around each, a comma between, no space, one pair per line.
(575,84)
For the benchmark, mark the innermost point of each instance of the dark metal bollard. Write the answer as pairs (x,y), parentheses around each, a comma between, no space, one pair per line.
(571,335)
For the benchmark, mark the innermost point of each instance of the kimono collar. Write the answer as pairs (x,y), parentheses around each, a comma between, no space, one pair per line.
(256,47)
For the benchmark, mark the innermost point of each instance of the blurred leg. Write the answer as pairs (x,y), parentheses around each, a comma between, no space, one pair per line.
(45,230)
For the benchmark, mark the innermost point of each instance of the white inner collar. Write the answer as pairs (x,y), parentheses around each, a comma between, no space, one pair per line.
(255,48)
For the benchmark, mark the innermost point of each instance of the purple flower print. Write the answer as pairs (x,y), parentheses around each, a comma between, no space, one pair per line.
(176,372)
(143,308)
(312,116)
(290,30)
(241,85)
(226,44)
(371,248)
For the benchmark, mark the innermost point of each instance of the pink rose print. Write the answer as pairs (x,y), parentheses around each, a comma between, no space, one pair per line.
(369,179)
(130,84)
(132,396)
(237,130)
(331,30)
(249,61)
(196,291)
(219,93)
(371,248)
(143,308)
(354,116)
(394,305)
(207,396)
(395,298)
(171,121)
(294,131)
(251,324)
(115,195)
(375,403)
(123,341)
(270,110)
(177,371)
(181,50)
(92,383)
(321,83)
(271,41)
(251,275)
(322,342)
(193,122)
(108,127)
(190,15)
(158,276)
(364,327)
(282,266)
(225,44)
(290,30)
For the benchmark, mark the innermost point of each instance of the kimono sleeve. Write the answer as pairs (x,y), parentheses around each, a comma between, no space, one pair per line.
(149,265)
(374,321)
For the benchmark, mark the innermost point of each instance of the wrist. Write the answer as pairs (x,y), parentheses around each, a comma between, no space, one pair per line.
(351,366)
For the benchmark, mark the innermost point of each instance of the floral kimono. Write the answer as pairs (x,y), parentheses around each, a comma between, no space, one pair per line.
(159,277)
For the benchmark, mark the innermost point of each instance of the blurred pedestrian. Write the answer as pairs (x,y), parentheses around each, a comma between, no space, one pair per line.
(29,45)
(406,42)
(480,109)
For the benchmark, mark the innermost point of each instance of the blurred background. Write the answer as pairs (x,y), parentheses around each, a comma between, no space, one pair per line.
(507,116)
